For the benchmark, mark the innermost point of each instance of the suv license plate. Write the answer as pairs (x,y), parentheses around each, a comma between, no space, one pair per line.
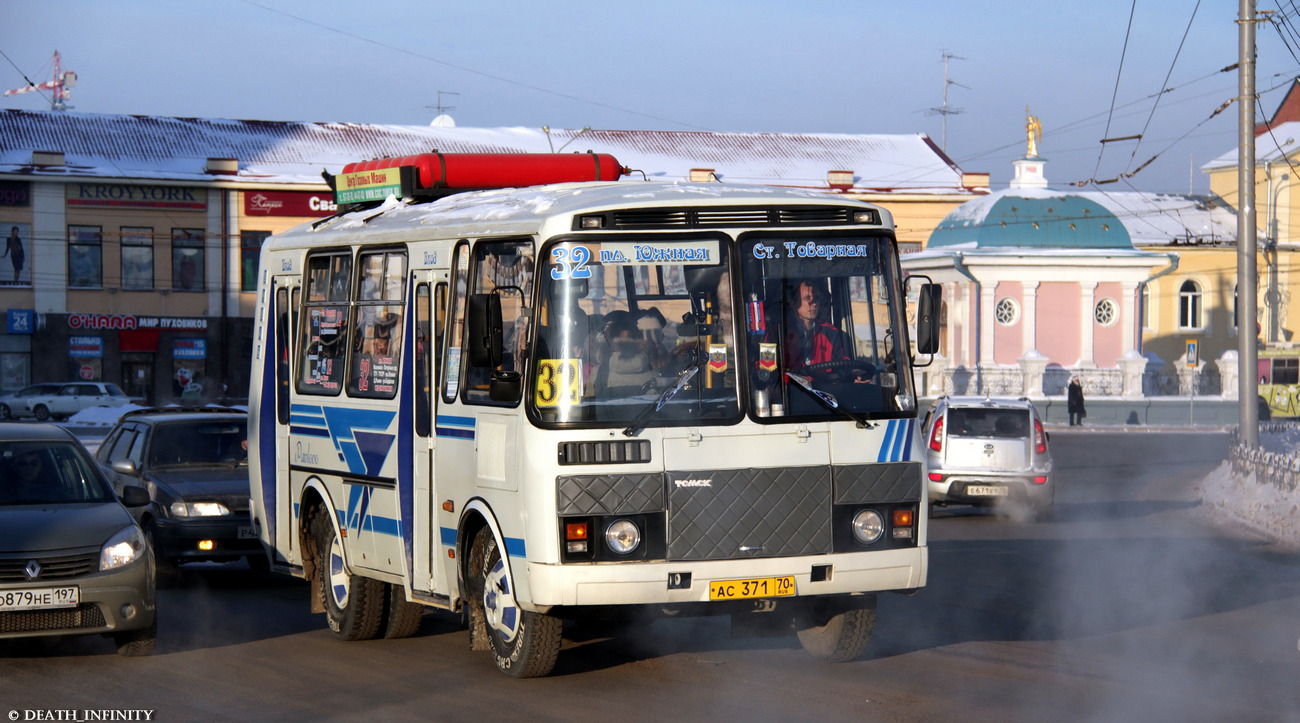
(751,588)
(246,532)
(987,490)
(40,599)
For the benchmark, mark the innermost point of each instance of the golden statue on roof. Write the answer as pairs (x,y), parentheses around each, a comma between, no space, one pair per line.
(1033,133)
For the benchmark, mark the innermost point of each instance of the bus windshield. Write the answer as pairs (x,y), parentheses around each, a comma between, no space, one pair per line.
(823,317)
(624,321)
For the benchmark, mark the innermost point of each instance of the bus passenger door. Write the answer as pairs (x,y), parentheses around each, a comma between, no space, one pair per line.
(430,318)
(277,496)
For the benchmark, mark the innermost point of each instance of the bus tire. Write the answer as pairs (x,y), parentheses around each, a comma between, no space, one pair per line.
(402,617)
(354,605)
(524,644)
(833,632)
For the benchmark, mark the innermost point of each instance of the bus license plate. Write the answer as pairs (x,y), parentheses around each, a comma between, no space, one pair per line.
(753,587)
(987,491)
(40,599)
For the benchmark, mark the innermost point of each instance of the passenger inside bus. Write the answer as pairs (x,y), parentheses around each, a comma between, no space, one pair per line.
(632,356)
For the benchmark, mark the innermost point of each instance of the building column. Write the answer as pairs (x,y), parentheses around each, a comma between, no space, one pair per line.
(987,300)
(1030,319)
(1088,295)
(1128,315)
(956,345)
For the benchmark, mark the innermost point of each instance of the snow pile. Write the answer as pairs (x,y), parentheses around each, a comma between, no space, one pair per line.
(1262,506)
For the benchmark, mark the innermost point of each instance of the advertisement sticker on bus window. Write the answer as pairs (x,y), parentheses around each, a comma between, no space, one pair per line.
(453,371)
(641,253)
(559,382)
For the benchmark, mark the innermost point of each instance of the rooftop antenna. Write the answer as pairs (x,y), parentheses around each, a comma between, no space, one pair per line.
(946,110)
(62,84)
(442,119)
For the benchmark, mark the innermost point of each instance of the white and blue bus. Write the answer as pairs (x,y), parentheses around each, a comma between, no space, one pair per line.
(588,400)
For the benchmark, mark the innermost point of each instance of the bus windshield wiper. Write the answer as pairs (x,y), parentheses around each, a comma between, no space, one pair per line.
(639,423)
(828,400)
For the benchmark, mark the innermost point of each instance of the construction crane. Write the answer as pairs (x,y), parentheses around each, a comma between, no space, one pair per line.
(61,86)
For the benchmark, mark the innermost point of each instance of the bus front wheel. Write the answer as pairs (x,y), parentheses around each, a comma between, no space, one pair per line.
(524,644)
(354,605)
(835,632)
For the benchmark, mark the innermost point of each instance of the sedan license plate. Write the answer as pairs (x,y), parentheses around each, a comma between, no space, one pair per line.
(41,598)
(987,490)
(752,588)
(247,533)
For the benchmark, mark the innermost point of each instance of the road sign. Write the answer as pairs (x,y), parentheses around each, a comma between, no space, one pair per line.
(1192,354)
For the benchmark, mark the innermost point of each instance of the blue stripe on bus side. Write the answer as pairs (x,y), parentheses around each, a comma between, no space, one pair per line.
(515,547)
(897,444)
(904,446)
(309,431)
(447,536)
(883,454)
(455,433)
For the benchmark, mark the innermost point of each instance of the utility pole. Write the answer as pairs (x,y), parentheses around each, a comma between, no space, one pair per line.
(945,110)
(1247,316)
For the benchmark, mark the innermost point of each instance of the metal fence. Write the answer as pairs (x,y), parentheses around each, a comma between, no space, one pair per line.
(1010,381)
(1280,470)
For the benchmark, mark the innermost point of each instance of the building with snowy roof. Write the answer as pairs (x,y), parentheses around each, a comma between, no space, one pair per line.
(138,237)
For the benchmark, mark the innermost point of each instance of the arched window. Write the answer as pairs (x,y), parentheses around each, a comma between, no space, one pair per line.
(1189,306)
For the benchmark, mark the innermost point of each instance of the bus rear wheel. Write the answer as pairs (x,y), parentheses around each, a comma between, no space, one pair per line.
(835,632)
(524,644)
(354,605)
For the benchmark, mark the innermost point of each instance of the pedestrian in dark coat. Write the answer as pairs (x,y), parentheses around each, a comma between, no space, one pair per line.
(1074,402)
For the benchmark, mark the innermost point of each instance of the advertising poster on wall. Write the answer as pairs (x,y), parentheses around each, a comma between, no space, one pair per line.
(14,269)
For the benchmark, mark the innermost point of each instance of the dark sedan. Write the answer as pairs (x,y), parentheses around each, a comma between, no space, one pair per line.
(72,558)
(194,463)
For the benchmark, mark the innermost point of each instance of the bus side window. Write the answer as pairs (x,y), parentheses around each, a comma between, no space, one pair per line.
(506,269)
(451,366)
(325,329)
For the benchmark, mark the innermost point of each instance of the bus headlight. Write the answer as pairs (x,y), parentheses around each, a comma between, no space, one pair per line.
(868,526)
(622,536)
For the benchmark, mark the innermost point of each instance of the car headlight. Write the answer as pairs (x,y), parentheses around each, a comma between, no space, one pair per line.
(199,509)
(123,548)
(868,526)
(622,536)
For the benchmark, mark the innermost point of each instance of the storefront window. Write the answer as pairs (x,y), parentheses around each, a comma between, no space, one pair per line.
(187,259)
(137,259)
(85,257)
(250,250)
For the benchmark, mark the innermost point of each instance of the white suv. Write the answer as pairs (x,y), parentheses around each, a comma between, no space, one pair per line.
(71,398)
(990,452)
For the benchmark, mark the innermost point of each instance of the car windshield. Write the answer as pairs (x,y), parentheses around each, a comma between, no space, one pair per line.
(199,443)
(988,422)
(48,473)
(827,309)
(624,321)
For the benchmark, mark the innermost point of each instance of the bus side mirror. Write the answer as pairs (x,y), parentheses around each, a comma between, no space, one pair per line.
(927,319)
(485,330)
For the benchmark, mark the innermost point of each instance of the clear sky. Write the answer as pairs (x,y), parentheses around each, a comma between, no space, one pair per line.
(810,66)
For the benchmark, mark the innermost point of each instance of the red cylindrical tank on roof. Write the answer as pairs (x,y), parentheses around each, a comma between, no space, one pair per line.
(500,170)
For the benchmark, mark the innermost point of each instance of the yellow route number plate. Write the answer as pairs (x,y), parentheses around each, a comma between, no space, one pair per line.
(752,588)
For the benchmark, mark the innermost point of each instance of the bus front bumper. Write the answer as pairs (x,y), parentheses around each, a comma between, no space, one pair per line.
(596,584)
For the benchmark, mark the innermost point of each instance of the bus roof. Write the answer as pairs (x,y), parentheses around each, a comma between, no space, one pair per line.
(541,209)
